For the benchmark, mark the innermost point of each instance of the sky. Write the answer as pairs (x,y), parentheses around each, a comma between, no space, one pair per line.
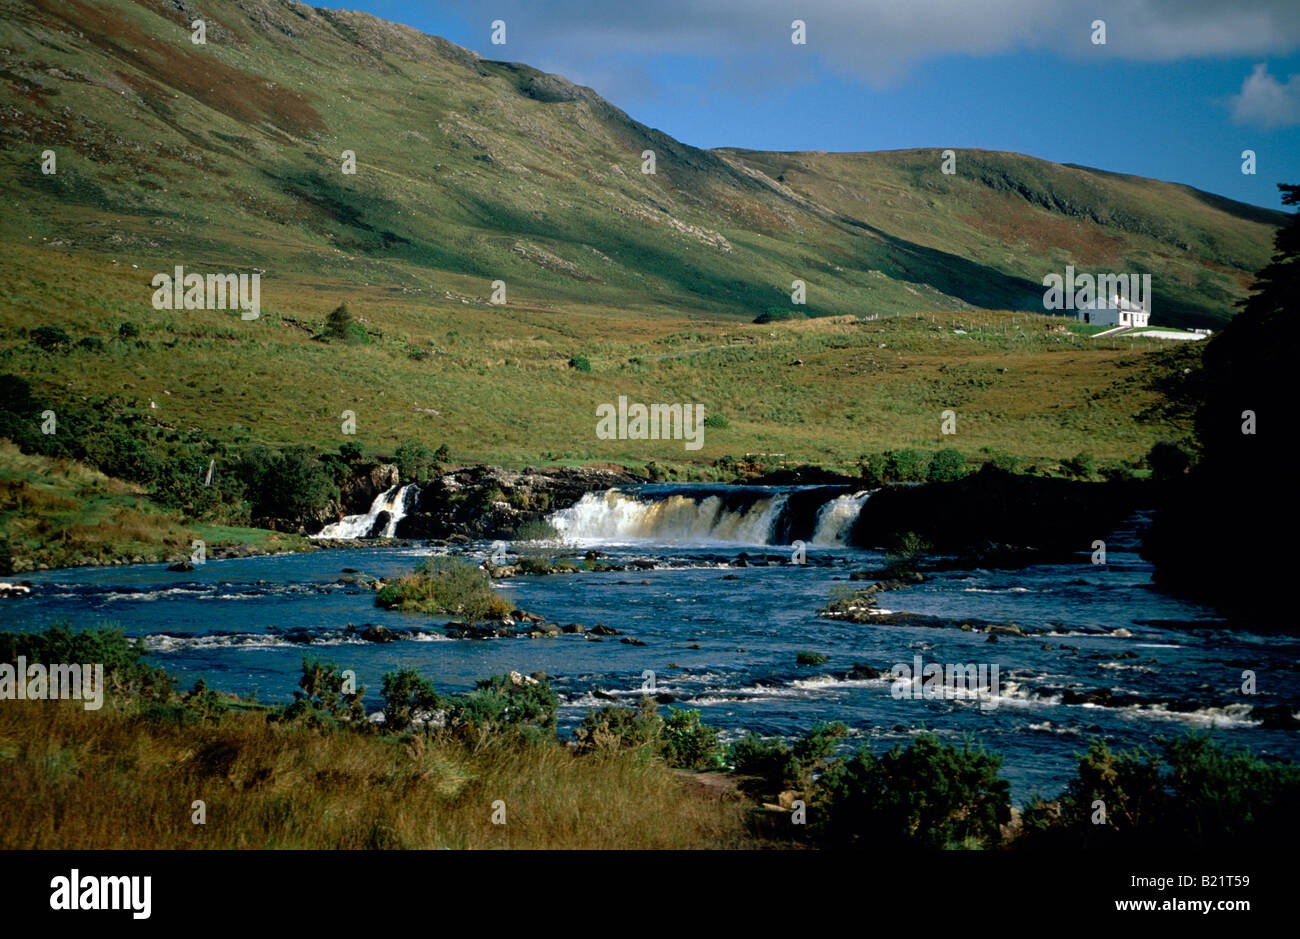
(1178,90)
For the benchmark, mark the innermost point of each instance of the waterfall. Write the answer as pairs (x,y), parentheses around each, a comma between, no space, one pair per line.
(615,516)
(391,502)
(835,519)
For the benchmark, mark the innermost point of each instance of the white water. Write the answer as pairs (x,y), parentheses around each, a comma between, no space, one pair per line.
(835,519)
(613,517)
(393,501)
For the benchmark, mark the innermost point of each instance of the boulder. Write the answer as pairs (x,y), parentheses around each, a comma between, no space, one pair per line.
(377,634)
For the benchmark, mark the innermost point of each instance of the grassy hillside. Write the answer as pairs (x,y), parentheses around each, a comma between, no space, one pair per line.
(227,157)
(468,171)
(59,513)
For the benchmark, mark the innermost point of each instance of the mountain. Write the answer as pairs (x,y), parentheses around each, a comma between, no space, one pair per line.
(228,156)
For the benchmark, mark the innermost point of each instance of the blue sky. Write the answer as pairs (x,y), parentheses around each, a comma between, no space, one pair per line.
(1179,89)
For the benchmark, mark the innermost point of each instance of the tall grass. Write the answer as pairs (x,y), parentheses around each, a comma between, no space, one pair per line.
(126,777)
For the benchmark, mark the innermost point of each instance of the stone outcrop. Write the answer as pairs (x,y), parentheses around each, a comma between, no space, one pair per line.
(490,502)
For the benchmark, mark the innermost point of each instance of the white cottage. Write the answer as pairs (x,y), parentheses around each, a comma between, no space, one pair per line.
(1117,311)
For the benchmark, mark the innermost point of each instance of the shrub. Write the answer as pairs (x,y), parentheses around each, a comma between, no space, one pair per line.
(905,465)
(580,362)
(125,671)
(811,658)
(777,314)
(1168,461)
(905,546)
(689,744)
(780,766)
(770,759)
(1082,465)
(327,690)
(537,529)
(357,335)
(1196,794)
(49,338)
(204,704)
(339,323)
(283,484)
(352,452)
(716,420)
(505,706)
(946,465)
(1004,461)
(816,746)
(414,461)
(406,693)
(613,728)
(931,795)
(445,585)
(870,468)
(128,331)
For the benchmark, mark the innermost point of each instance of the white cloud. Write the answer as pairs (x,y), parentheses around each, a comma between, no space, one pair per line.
(1265,102)
(878,41)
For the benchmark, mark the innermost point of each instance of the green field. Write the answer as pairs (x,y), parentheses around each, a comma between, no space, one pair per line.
(923,290)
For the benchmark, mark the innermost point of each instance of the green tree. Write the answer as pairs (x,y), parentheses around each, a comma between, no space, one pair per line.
(414,460)
(931,795)
(1241,492)
(946,465)
(339,323)
(406,693)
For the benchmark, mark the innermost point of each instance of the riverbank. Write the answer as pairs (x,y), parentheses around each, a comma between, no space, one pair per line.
(150,767)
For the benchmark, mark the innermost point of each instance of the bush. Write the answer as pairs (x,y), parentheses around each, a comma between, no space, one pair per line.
(414,461)
(406,693)
(128,331)
(580,362)
(816,746)
(352,452)
(931,795)
(905,546)
(871,469)
(1082,465)
(770,759)
(505,706)
(537,529)
(946,465)
(1168,461)
(445,585)
(614,729)
(778,314)
(125,671)
(339,323)
(49,338)
(322,689)
(689,744)
(284,484)
(780,766)
(716,420)
(811,658)
(1198,794)
(905,465)
(1004,461)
